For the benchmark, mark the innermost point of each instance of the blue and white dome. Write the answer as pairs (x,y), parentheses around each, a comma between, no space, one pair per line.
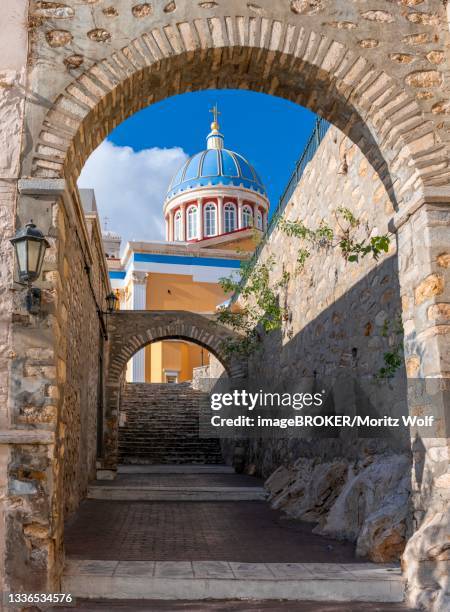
(215,166)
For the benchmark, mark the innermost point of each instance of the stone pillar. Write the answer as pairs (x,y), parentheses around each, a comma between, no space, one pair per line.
(200,219)
(139,302)
(240,204)
(423,233)
(220,215)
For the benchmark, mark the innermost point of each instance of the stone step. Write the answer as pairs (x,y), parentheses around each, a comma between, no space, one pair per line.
(176,449)
(143,428)
(145,460)
(177,443)
(161,426)
(167,493)
(196,580)
(168,459)
(175,469)
(177,452)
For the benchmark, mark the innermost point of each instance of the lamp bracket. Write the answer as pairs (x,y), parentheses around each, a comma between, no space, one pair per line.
(33,300)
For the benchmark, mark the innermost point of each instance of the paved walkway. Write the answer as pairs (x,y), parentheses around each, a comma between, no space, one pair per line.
(197,531)
(209,549)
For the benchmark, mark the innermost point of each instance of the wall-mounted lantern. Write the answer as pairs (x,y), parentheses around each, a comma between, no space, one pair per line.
(111,302)
(30,245)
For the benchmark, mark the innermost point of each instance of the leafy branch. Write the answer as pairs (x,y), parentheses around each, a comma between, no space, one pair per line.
(324,237)
(262,312)
(393,359)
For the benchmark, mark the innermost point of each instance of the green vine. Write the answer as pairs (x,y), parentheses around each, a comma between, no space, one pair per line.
(263,312)
(324,237)
(393,359)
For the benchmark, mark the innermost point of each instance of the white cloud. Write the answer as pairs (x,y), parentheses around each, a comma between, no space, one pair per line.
(130,187)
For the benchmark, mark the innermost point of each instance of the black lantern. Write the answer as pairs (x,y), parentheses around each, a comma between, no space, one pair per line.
(30,245)
(111,302)
(111,305)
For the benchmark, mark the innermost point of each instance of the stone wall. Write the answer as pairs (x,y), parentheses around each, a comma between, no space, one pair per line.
(340,319)
(13,54)
(340,316)
(84,347)
(364,489)
(55,390)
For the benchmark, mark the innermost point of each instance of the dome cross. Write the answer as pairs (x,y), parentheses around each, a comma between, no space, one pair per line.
(215,112)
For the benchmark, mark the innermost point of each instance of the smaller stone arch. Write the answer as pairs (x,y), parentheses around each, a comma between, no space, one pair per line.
(130,331)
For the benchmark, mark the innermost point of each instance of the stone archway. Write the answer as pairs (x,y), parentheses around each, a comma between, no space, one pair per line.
(132,330)
(316,63)
(82,68)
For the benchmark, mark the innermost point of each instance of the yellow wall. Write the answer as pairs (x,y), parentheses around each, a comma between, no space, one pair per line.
(178,292)
(181,292)
(153,362)
(173,355)
(245,245)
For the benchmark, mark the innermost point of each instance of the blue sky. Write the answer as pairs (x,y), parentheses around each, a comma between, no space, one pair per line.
(133,168)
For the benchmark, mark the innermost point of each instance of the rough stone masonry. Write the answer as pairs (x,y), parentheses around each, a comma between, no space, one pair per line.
(69,73)
(340,319)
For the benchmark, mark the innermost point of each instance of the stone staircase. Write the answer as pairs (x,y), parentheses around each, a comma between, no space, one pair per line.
(159,425)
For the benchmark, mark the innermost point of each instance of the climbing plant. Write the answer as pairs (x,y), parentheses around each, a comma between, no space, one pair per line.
(262,312)
(344,239)
(393,359)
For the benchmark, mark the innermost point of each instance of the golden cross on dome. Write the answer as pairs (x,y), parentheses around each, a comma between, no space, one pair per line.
(215,111)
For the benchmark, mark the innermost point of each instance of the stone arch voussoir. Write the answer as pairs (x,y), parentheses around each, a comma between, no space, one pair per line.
(131,331)
(352,85)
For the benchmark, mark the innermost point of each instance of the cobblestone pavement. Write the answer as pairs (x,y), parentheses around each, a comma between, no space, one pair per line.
(181,480)
(196,531)
(230,606)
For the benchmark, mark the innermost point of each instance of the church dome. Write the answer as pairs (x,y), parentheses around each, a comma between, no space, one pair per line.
(215,166)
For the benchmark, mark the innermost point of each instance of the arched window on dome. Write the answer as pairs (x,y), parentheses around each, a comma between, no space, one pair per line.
(177,226)
(210,219)
(192,223)
(259,220)
(229,217)
(247,217)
